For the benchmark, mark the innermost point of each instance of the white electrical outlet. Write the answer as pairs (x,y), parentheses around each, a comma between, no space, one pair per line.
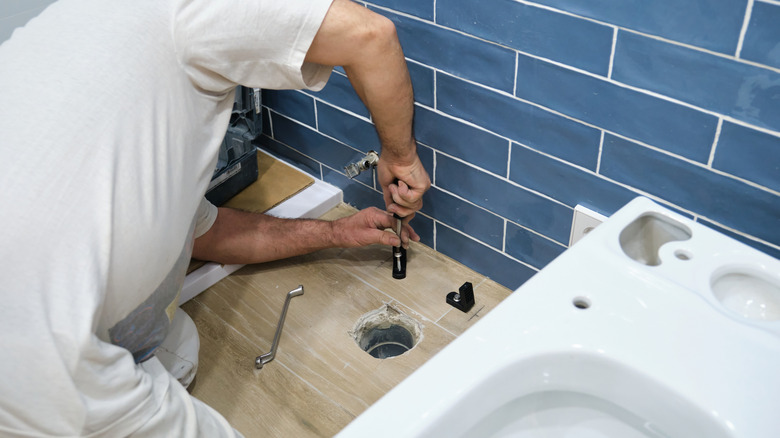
(585,220)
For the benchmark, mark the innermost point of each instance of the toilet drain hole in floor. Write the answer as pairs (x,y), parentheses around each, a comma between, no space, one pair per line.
(386,332)
(383,343)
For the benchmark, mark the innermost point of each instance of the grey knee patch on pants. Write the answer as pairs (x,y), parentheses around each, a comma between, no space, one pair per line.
(178,353)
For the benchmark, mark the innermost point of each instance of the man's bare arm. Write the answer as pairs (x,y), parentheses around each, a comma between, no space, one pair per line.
(241,237)
(366,45)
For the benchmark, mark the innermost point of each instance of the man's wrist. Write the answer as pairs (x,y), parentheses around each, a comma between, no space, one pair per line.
(400,153)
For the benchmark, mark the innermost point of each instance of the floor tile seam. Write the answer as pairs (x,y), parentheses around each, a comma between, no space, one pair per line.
(278,361)
(272,322)
(387,295)
(318,390)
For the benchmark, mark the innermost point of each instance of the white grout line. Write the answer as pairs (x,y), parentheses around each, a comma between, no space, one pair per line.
(726,118)
(318,132)
(514,83)
(342,109)
(603,23)
(435,89)
(435,237)
(606,179)
(509,160)
(743,31)
(708,51)
(316,116)
(715,143)
(435,152)
(601,149)
(473,166)
(462,199)
(490,247)
(612,53)
(503,238)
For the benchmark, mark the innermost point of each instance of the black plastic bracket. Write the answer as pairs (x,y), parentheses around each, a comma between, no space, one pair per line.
(462,300)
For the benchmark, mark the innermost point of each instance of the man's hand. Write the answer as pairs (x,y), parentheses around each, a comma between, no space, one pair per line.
(367,227)
(403,185)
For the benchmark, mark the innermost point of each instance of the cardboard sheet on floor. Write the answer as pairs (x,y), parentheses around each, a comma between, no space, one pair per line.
(276,182)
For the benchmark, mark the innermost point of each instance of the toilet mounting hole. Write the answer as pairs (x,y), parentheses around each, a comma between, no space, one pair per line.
(581,302)
(681,254)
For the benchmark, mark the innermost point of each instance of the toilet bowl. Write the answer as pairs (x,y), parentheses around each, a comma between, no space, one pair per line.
(651,326)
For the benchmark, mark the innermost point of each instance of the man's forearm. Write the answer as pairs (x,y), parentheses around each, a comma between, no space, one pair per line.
(243,237)
(239,237)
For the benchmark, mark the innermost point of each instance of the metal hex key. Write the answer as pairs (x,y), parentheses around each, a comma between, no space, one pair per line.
(267,357)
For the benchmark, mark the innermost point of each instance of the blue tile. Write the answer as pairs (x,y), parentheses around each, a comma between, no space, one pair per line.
(339,92)
(565,183)
(749,154)
(711,24)
(423,226)
(426,157)
(571,40)
(474,221)
(655,121)
(355,194)
(722,85)
(422,9)
(456,53)
(460,140)
(290,155)
(519,121)
(354,131)
(529,247)
(749,242)
(718,198)
(291,103)
(481,258)
(503,198)
(762,39)
(422,82)
(314,145)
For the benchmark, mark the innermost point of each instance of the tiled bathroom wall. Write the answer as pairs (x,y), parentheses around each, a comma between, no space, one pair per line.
(526,109)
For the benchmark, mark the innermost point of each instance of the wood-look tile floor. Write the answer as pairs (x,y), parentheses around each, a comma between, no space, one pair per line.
(321,379)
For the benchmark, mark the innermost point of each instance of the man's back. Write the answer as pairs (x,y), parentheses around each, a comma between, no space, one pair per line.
(111,116)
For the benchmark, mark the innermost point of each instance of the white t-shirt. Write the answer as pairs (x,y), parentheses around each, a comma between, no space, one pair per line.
(111,116)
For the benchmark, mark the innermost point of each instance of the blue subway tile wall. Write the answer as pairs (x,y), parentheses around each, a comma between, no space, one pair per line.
(518,120)
(749,154)
(465,56)
(531,29)
(762,40)
(618,109)
(710,24)
(743,91)
(525,109)
(450,136)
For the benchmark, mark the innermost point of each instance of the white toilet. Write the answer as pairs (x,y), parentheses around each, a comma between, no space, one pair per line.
(651,326)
